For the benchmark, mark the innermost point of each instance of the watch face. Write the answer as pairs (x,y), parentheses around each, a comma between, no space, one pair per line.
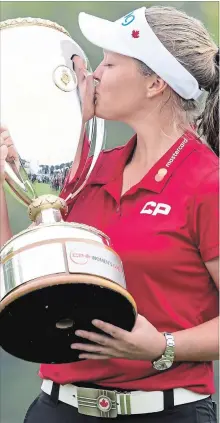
(162,364)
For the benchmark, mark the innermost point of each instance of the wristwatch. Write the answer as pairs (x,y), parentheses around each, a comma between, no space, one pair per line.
(167,359)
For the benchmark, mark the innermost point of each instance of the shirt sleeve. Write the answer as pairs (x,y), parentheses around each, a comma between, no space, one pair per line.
(206,217)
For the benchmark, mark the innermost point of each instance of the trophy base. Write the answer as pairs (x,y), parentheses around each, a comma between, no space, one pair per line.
(39,319)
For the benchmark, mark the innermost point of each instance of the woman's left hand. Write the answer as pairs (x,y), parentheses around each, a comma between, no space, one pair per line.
(144,342)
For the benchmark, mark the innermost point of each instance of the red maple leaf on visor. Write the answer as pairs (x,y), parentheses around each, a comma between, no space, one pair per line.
(135,34)
(104,403)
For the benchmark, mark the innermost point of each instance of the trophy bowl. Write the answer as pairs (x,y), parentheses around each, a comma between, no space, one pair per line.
(56,277)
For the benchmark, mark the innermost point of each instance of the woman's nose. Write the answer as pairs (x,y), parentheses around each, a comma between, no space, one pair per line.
(98,73)
(96,80)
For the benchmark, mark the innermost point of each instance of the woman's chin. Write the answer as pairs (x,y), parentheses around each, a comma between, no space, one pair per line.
(103,114)
(99,113)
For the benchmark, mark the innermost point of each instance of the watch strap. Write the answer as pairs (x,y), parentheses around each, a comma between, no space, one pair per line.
(169,352)
(166,360)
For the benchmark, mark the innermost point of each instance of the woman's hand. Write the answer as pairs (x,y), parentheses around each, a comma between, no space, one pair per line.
(3,155)
(143,343)
(86,88)
(7,153)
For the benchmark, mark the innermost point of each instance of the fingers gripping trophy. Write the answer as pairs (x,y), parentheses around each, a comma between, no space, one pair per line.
(55,276)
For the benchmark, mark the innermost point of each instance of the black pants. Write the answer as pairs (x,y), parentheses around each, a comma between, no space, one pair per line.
(47,409)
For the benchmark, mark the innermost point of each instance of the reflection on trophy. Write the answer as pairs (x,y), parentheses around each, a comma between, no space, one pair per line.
(55,276)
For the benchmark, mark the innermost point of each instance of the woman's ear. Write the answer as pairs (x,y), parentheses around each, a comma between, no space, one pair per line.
(154,85)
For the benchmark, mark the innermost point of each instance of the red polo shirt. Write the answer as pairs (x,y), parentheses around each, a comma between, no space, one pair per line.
(164,228)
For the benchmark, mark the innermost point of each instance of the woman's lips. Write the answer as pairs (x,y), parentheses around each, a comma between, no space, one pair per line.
(95,97)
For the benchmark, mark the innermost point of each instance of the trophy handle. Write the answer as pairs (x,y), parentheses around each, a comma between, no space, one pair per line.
(99,145)
(22,188)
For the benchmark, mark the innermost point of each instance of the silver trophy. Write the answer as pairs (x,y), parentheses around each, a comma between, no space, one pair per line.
(55,276)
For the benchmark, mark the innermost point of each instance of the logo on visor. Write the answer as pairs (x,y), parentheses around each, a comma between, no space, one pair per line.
(135,34)
(128,19)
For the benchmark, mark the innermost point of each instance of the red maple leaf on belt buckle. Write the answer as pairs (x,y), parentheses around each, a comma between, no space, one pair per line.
(135,34)
(104,403)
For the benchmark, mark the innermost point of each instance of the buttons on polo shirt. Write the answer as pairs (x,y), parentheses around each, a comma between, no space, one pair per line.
(160,174)
(118,209)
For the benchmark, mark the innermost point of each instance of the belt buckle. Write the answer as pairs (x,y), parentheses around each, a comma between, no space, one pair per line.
(97,402)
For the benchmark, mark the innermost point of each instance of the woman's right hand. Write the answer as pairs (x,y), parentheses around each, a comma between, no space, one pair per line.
(86,88)
(7,152)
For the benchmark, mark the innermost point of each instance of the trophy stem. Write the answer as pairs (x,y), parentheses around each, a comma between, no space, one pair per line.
(48,216)
(47,209)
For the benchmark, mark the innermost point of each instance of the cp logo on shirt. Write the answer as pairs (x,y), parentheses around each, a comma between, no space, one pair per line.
(155,208)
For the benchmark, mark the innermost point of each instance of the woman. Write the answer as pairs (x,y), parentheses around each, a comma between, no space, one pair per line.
(157,199)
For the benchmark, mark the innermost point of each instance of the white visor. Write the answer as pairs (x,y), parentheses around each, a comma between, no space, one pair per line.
(133,37)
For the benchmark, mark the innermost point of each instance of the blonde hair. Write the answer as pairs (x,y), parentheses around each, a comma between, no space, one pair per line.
(189,42)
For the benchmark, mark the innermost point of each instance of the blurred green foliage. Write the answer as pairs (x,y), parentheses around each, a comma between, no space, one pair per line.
(66,14)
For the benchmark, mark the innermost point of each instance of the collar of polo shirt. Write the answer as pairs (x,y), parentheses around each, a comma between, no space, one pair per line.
(132,36)
(156,178)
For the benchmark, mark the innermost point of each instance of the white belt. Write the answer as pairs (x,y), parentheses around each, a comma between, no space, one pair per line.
(107,403)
